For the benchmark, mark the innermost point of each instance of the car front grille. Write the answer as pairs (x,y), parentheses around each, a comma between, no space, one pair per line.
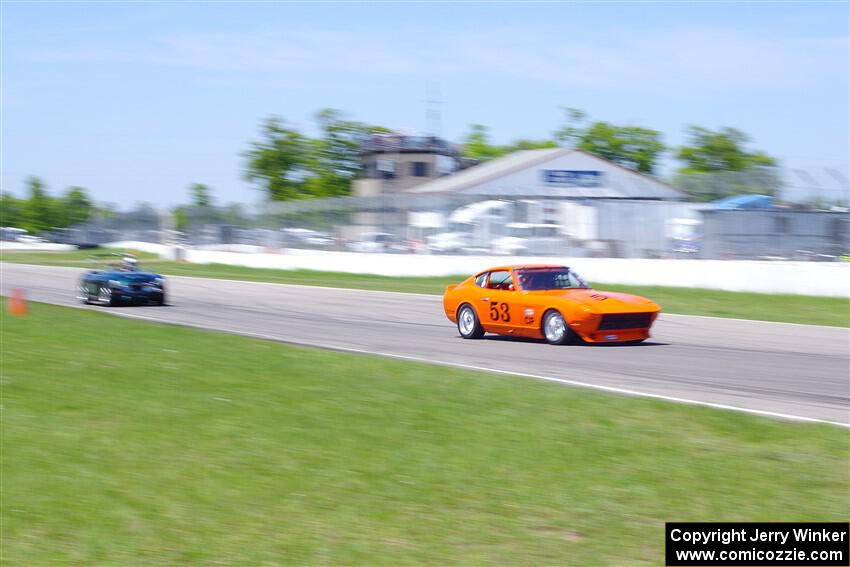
(625,321)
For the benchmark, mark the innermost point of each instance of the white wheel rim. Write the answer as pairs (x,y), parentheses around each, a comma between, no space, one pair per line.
(467,321)
(555,328)
(105,294)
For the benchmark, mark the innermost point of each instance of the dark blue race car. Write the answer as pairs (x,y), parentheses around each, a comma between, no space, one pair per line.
(121,282)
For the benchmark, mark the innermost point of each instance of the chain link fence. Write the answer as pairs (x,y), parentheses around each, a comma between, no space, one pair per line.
(426,224)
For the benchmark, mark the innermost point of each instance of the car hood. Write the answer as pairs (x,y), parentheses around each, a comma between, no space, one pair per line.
(602,301)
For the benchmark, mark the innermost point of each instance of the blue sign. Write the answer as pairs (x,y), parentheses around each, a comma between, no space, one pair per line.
(573,178)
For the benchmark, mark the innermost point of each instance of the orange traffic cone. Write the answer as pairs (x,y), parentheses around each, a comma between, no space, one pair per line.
(17,302)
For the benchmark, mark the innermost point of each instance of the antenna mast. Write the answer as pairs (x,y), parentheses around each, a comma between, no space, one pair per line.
(432,111)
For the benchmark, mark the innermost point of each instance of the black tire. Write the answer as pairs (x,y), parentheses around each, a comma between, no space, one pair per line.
(468,324)
(552,322)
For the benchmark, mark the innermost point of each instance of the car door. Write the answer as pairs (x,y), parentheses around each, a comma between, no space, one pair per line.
(498,309)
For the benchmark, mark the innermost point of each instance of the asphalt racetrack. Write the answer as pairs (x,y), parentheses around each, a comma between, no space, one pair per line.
(787,370)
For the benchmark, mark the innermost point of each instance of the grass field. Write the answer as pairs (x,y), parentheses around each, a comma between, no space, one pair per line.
(689,301)
(130,443)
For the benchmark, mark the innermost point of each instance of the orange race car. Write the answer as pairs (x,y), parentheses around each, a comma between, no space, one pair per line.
(548,302)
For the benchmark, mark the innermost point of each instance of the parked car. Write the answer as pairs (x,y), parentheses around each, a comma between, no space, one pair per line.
(11,233)
(530,239)
(306,238)
(380,242)
(30,239)
(448,242)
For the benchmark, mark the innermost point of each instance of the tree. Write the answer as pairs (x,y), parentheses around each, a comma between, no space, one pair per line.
(76,207)
(712,185)
(278,161)
(571,132)
(104,211)
(201,195)
(716,165)
(288,165)
(11,210)
(181,218)
(634,147)
(722,150)
(476,144)
(524,144)
(234,214)
(334,158)
(631,146)
(38,213)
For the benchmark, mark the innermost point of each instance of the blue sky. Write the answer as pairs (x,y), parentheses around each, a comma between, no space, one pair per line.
(135,101)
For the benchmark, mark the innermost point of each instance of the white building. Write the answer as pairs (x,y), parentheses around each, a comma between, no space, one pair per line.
(554,173)
(598,204)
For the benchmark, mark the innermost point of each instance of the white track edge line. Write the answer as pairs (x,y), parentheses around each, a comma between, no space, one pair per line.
(354,289)
(665,314)
(611,389)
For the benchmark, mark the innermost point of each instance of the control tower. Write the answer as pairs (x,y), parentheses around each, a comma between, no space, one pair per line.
(397,162)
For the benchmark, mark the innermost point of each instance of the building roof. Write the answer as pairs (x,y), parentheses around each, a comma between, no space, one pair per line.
(473,181)
(401,143)
(743,202)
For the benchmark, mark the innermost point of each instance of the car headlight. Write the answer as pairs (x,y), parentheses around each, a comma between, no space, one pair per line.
(158,282)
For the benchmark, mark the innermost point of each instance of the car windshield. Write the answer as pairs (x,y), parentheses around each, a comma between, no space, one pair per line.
(537,279)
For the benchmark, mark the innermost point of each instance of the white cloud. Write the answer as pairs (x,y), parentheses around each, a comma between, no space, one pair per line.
(665,61)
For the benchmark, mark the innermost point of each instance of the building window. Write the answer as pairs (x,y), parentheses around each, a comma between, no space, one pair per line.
(386,168)
(839,230)
(419,169)
(445,165)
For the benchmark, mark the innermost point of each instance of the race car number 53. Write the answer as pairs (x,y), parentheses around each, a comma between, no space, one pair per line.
(499,311)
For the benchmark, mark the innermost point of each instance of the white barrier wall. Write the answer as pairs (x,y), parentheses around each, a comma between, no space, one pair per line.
(801,278)
(150,247)
(37,246)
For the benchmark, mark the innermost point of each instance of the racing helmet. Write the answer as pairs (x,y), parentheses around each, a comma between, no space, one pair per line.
(129,264)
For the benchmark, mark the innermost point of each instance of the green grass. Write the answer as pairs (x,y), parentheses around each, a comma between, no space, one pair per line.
(72,258)
(690,301)
(131,443)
